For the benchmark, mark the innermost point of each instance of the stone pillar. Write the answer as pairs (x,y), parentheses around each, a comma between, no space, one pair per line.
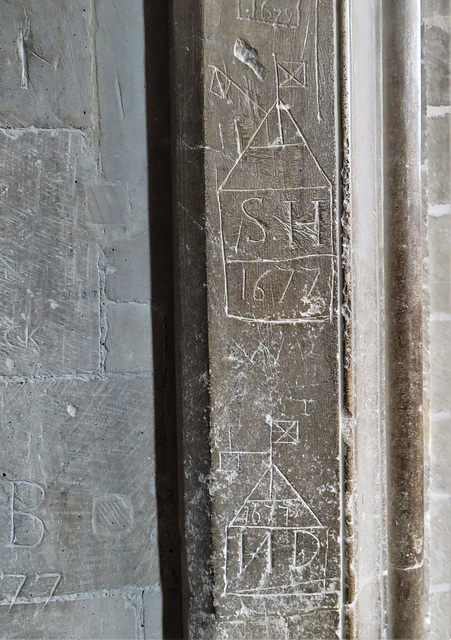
(403,289)
(285,138)
(272,197)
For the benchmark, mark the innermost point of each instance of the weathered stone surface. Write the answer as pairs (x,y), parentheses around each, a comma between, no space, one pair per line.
(46,60)
(435,8)
(265,628)
(304,625)
(440,618)
(101,617)
(121,92)
(153,614)
(77,486)
(440,480)
(436,58)
(438,140)
(191,315)
(439,235)
(129,338)
(403,318)
(50,286)
(438,447)
(440,373)
(271,181)
(128,274)
(440,509)
(78,534)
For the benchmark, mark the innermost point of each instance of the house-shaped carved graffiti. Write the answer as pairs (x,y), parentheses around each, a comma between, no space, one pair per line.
(276,222)
(275,543)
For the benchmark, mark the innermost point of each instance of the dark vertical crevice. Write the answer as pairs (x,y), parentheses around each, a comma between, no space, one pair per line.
(403,276)
(192,355)
(345,288)
(156,18)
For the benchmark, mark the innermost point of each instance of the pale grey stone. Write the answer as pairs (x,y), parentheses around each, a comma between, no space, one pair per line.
(438,142)
(440,342)
(78,541)
(440,615)
(439,236)
(440,292)
(129,338)
(119,50)
(437,153)
(128,273)
(107,203)
(46,62)
(440,456)
(367,324)
(49,289)
(77,494)
(440,552)
(99,618)
(436,58)
(153,621)
(435,8)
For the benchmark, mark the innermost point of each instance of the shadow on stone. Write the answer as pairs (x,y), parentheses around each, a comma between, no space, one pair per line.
(162,306)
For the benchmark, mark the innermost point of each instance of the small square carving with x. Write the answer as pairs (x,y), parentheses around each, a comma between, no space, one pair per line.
(291,75)
(285,432)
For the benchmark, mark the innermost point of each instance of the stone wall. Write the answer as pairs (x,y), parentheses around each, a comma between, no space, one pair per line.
(78,535)
(81,324)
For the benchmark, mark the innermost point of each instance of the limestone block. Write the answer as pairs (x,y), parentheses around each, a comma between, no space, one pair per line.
(439,236)
(78,534)
(107,205)
(440,372)
(77,495)
(436,57)
(128,271)
(46,62)
(100,618)
(435,8)
(440,552)
(440,295)
(119,47)
(440,455)
(129,338)
(440,618)
(153,614)
(438,141)
(49,285)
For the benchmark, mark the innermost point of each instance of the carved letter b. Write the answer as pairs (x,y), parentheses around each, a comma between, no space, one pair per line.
(27,529)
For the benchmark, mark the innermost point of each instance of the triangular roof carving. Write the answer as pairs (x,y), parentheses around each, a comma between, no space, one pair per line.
(279,504)
(276,157)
